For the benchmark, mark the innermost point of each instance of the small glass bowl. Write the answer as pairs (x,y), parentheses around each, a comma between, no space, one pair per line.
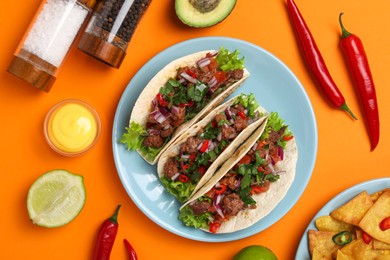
(52,113)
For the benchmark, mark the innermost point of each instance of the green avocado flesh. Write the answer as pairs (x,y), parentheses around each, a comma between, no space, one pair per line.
(203,13)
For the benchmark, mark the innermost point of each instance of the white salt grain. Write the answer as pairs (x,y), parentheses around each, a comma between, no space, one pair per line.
(55,29)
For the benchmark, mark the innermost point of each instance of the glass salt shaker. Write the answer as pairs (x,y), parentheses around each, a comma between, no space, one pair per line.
(110,29)
(47,41)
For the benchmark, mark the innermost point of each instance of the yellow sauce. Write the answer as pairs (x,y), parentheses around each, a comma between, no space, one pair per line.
(72,128)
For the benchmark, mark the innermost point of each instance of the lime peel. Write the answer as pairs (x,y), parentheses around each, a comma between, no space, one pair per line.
(56,198)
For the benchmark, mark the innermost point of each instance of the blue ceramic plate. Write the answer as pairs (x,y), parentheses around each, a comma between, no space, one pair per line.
(370,186)
(275,87)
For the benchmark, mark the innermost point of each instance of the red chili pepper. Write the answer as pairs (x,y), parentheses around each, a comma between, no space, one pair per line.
(191,73)
(214,227)
(185,166)
(202,170)
(359,68)
(221,189)
(314,60)
(385,224)
(204,146)
(192,157)
(366,237)
(260,188)
(183,178)
(241,114)
(130,250)
(161,100)
(288,137)
(106,237)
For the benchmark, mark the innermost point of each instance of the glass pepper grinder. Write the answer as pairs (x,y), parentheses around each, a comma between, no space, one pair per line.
(110,29)
(47,41)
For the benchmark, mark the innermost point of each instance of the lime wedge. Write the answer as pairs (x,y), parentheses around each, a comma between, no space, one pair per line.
(56,198)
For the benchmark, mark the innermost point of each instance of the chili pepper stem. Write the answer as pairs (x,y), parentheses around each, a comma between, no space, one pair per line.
(114,218)
(349,111)
(344,32)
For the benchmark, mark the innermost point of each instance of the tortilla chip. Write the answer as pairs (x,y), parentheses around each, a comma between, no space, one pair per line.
(357,249)
(376,244)
(341,256)
(377,194)
(354,210)
(323,243)
(371,220)
(327,223)
(317,255)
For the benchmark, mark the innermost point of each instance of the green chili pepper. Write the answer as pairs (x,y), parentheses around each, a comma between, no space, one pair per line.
(342,238)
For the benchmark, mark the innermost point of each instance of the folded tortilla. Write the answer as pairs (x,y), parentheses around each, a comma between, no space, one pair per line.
(142,107)
(265,201)
(174,150)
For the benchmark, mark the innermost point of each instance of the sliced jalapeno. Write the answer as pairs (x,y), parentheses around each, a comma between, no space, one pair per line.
(342,238)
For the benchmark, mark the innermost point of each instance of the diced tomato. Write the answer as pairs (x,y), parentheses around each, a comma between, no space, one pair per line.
(214,124)
(188,104)
(245,160)
(260,188)
(214,227)
(241,114)
(185,166)
(220,75)
(385,224)
(192,157)
(183,178)
(260,169)
(213,64)
(204,146)
(288,137)
(202,170)
(366,237)
(221,189)
(191,73)
(261,144)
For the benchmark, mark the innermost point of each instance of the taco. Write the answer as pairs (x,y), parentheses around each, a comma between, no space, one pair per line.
(249,184)
(180,95)
(192,160)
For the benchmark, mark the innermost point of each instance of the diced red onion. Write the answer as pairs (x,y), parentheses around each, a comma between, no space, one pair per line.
(233,135)
(272,168)
(216,202)
(217,185)
(254,147)
(219,137)
(154,103)
(181,80)
(158,116)
(214,53)
(174,177)
(154,132)
(228,113)
(211,146)
(203,62)
(200,145)
(280,152)
(231,121)
(185,156)
(188,77)
(165,112)
(212,82)
(175,110)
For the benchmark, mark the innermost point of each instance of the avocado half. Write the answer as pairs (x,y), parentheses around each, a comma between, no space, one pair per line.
(203,13)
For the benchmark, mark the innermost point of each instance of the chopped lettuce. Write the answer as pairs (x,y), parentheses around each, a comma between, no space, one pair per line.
(189,219)
(134,137)
(249,102)
(229,61)
(180,190)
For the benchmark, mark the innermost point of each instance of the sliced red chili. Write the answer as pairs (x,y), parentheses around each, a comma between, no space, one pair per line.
(204,146)
(185,166)
(188,104)
(161,100)
(288,137)
(241,114)
(260,169)
(366,237)
(191,73)
(256,189)
(214,124)
(202,170)
(192,157)
(221,189)
(214,227)
(385,224)
(183,178)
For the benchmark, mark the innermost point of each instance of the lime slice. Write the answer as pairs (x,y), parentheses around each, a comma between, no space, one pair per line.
(55,198)
(255,252)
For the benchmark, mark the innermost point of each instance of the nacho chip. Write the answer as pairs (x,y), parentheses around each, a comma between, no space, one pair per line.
(323,243)
(376,244)
(357,249)
(354,210)
(371,220)
(328,223)
(377,194)
(341,256)
(317,255)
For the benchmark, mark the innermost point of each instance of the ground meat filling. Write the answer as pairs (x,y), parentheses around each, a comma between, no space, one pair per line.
(232,204)
(166,117)
(200,207)
(170,168)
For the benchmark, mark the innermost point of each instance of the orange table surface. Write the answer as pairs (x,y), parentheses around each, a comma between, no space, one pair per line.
(343,160)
